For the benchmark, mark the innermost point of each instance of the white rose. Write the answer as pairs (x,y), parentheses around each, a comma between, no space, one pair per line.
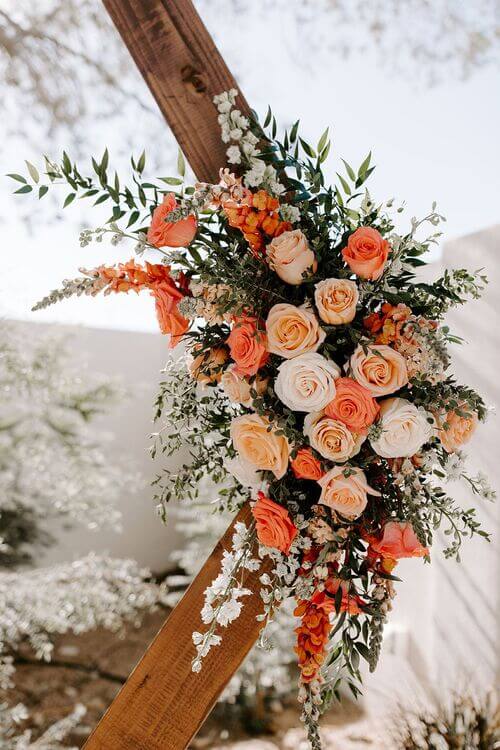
(331,438)
(292,330)
(290,256)
(244,473)
(306,383)
(404,429)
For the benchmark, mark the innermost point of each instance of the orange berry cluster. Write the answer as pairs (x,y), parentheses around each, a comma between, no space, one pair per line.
(257,217)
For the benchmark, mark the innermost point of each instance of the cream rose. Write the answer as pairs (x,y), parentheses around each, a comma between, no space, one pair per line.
(290,256)
(260,446)
(404,429)
(336,300)
(331,438)
(238,389)
(345,491)
(292,330)
(306,383)
(381,370)
(244,473)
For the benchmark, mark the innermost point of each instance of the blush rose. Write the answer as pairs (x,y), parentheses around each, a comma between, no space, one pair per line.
(381,369)
(259,445)
(336,300)
(345,491)
(306,383)
(292,331)
(290,256)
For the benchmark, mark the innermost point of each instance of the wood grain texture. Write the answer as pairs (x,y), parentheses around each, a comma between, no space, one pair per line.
(163,703)
(184,70)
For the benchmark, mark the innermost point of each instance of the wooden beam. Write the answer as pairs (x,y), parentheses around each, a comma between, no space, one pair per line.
(163,703)
(184,70)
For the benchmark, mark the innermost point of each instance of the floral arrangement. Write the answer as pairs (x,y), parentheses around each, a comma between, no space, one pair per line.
(317,384)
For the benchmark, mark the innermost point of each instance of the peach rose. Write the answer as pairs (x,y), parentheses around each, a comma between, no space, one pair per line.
(292,330)
(290,256)
(306,466)
(206,367)
(238,389)
(336,300)
(399,540)
(353,405)
(162,233)
(381,370)
(331,438)
(366,253)
(345,491)
(306,383)
(454,429)
(258,444)
(248,346)
(273,524)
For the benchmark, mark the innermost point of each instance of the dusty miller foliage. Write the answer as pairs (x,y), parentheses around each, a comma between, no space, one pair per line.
(52,466)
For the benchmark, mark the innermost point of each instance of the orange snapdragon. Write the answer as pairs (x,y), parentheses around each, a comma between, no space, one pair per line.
(156,277)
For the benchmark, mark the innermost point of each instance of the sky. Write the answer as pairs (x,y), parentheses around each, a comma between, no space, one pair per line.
(438,143)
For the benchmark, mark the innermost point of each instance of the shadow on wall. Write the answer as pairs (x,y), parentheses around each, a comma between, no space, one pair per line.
(134,360)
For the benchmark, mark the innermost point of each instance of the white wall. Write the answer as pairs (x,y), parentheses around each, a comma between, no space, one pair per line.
(136,359)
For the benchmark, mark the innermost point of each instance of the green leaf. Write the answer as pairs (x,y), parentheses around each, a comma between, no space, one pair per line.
(349,170)
(307,148)
(171,180)
(181,164)
(34,173)
(324,154)
(345,184)
(142,162)
(268,117)
(66,162)
(322,141)
(17,177)
(69,199)
(104,161)
(133,218)
(364,166)
(42,190)
(294,131)
(24,189)
(101,199)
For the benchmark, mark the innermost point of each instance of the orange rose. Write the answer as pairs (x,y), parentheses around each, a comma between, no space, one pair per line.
(169,318)
(366,253)
(206,367)
(454,429)
(162,233)
(306,466)
(398,540)
(353,405)
(248,346)
(273,523)
(379,368)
